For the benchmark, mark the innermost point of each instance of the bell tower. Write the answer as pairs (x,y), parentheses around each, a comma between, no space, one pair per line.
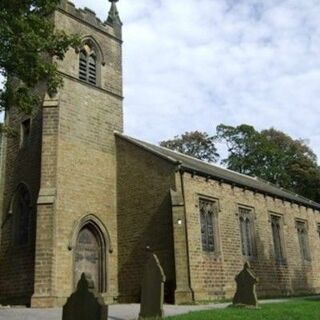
(76,229)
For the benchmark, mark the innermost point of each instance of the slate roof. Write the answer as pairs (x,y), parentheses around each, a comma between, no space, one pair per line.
(202,168)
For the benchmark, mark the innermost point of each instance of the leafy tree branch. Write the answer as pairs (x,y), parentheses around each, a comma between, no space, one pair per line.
(29,48)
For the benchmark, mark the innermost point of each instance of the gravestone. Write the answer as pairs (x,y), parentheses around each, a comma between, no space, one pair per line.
(246,287)
(152,289)
(85,303)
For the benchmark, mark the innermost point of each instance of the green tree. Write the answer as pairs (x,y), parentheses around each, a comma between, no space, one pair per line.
(272,155)
(196,144)
(242,143)
(29,45)
(298,161)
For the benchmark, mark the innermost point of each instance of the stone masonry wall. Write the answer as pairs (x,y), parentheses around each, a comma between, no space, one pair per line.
(144,217)
(22,165)
(82,180)
(212,275)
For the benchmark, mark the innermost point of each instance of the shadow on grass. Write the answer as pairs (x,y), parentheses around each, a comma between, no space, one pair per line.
(312,298)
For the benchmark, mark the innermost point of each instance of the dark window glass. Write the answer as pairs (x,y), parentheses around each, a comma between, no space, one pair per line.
(276,226)
(318,229)
(25,132)
(303,240)
(208,225)
(246,231)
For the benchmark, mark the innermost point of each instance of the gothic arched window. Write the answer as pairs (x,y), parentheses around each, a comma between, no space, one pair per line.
(303,240)
(209,225)
(277,235)
(22,214)
(88,64)
(247,232)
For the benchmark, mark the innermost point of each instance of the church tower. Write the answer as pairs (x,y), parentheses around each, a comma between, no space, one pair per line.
(59,217)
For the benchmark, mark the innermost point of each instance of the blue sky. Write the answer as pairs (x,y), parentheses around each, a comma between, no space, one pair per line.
(193,64)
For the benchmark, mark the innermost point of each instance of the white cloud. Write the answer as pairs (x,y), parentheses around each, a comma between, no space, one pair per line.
(193,64)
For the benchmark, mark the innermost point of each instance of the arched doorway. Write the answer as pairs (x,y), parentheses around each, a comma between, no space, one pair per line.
(89,257)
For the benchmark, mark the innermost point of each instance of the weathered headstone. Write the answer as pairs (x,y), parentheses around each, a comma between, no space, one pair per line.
(246,287)
(152,289)
(85,303)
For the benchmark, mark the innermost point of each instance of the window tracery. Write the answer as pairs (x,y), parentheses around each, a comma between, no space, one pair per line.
(277,236)
(209,225)
(246,231)
(303,240)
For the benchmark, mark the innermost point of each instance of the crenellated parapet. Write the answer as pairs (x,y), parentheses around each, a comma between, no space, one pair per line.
(112,25)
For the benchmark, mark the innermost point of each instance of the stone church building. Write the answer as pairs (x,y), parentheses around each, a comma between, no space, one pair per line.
(77,195)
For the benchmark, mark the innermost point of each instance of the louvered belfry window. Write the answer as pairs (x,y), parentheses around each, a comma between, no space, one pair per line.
(208,225)
(88,65)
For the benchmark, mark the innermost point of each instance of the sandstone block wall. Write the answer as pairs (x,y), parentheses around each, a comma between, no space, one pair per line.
(21,165)
(75,167)
(79,164)
(212,275)
(144,217)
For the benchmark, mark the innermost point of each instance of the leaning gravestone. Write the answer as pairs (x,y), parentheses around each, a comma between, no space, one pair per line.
(85,303)
(152,289)
(246,288)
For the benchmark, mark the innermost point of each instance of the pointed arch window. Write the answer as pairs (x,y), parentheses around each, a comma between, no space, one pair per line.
(277,236)
(88,64)
(302,230)
(247,232)
(209,225)
(22,215)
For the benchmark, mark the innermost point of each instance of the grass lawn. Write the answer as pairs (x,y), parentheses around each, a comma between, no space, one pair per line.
(296,309)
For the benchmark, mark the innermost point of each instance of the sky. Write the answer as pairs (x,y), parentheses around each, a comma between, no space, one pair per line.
(193,64)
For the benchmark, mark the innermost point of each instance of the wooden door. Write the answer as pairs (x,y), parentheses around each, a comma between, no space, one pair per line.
(87,257)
